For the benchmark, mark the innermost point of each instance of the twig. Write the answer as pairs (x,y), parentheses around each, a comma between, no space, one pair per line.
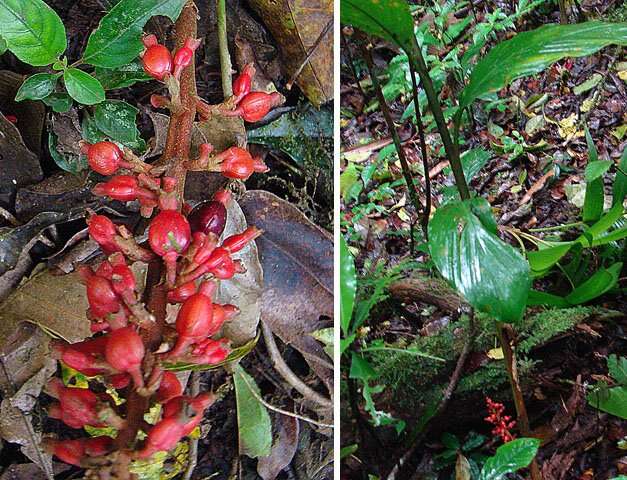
(411,187)
(285,371)
(310,53)
(448,393)
(8,216)
(423,151)
(283,412)
(505,334)
(223,43)
(193,442)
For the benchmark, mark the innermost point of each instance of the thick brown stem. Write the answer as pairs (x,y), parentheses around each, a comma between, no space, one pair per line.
(505,334)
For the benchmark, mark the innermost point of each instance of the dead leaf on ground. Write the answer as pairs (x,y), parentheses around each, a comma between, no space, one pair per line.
(297,260)
(296,25)
(30,471)
(283,448)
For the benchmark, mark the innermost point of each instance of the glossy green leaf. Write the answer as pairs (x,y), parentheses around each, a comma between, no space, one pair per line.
(121,77)
(348,286)
(59,102)
(610,400)
(117,40)
(617,368)
(348,450)
(82,87)
(473,161)
(533,51)
(597,231)
(32,31)
(510,458)
(388,19)
(492,275)
(543,259)
(117,120)
(253,420)
(601,282)
(597,169)
(3,46)
(542,298)
(594,199)
(619,189)
(37,86)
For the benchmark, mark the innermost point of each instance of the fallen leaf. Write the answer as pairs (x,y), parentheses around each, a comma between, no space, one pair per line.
(283,448)
(297,260)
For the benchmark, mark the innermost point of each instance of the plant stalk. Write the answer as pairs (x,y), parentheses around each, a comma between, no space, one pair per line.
(452,151)
(504,332)
(223,43)
(413,193)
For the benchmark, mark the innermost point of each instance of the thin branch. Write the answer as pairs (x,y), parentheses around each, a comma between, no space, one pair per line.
(312,50)
(423,151)
(287,373)
(411,187)
(223,44)
(283,412)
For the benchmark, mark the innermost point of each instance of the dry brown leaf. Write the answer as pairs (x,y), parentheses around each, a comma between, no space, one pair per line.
(283,448)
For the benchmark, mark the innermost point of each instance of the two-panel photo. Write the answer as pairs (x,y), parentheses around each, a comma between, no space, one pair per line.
(313,240)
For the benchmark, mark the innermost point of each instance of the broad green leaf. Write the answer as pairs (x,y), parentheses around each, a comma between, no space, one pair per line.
(388,19)
(510,458)
(82,87)
(348,450)
(542,298)
(619,189)
(32,31)
(117,40)
(361,369)
(116,119)
(3,46)
(602,281)
(490,274)
(610,400)
(542,260)
(531,52)
(348,286)
(59,102)
(473,161)
(597,169)
(617,367)
(121,77)
(599,229)
(594,199)
(253,421)
(37,86)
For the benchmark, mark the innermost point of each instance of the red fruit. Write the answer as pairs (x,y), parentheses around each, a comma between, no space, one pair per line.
(122,277)
(256,105)
(238,163)
(68,451)
(169,388)
(184,56)
(121,187)
(235,243)
(103,157)
(208,217)
(210,352)
(156,59)
(241,85)
(100,294)
(175,409)
(102,230)
(206,244)
(84,356)
(76,407)
(98,446)
(169,232)
(182,293)
(162,437)
(119,381)
(125,351)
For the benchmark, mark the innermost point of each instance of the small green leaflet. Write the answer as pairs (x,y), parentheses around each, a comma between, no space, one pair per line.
(37,87)
(82,87)
(348,286)
(32,31)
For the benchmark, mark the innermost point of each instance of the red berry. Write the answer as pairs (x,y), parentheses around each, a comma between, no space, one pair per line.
(182,293)
(68,451)
(103,157)
(175,408)
(76,407)
(162,437)
(157,59)
(209,216)
(238,163)
(241,85)
(169,232)
(184,56)
(100,294)
(102,230)
(85,356)
(256,105)
(119,380)
(169,388)
(121,187)
(125,351)
(210,352)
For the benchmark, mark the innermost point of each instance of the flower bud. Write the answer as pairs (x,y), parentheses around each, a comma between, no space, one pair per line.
(169,232)
(241,85)
(238,163)
(77,407)
(102,230)
(121,187)
(235,243)
(182,292)
(103,157)
(256,105)
(169,388)
(177,409)
(100,294)
(156,59)
(125,351)
(210,352)
(185,55)
(84,357)
(162,437)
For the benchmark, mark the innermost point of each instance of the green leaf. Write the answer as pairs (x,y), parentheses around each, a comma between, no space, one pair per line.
(543,298)
(601,282)
(492,275)
(116,119)
(3,46)
(617,368)
(610,400)
(82,87)
(542,260)
(253,420)
(597,169)
(32,31)
(37,86)
(509,458)
(361,369)
(594,199)
(388,19)
(121,77)
(473,161)
(117,40)
(619,189)
(348,286)
(597,231)
(531,52)
(348,450)
(325,336)
(59,102)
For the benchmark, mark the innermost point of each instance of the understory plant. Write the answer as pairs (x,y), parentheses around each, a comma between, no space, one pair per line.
(142,409)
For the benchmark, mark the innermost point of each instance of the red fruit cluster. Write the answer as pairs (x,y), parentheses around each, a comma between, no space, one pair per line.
(158,60)
(502,423)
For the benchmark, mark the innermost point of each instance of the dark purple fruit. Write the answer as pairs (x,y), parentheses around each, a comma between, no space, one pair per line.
(208,217)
